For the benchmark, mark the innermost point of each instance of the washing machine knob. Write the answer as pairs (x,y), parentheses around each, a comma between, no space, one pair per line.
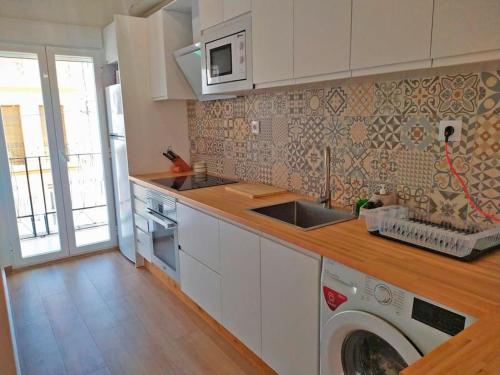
(382,294)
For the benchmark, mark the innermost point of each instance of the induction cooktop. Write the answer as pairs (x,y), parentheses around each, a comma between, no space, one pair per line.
(196,181)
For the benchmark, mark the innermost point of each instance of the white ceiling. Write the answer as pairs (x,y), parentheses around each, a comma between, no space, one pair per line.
(75,12)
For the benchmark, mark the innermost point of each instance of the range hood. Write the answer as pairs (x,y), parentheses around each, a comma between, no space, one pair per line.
(189,60)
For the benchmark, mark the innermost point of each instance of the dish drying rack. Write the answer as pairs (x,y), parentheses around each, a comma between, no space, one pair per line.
(400,224)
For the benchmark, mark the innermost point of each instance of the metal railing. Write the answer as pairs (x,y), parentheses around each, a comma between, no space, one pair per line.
(26,171)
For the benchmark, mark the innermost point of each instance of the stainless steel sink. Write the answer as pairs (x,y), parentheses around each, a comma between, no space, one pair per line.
(303,214)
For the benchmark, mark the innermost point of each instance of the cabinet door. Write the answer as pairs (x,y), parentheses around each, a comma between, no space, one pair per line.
(234,8)
(210,13)
(110,48)
(199,236)
(240,274)
(321,37)
(388,32)
(201,284)
(463,27)
(158,71)
(290,309)
(272,40)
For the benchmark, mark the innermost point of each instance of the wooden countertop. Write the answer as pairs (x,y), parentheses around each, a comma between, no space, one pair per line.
(473,288)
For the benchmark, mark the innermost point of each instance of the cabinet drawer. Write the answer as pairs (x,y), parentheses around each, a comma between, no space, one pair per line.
(201,284)
(143,243)
(141,222)
(140,192)
(199,236)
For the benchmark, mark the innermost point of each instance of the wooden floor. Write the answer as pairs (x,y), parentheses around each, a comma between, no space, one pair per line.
(100,316)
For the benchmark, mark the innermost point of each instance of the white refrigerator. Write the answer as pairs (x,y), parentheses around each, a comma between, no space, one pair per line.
(121,184)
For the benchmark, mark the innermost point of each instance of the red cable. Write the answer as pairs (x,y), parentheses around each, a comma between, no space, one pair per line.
(466,191)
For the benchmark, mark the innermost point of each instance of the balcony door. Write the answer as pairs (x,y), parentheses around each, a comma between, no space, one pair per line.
(54,157)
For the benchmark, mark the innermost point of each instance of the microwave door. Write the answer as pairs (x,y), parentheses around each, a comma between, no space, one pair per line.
(220,63)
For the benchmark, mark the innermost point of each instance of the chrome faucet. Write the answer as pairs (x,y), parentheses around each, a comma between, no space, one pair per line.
(326,199)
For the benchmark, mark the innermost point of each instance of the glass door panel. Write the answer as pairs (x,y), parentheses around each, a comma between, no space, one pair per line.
(27,148)
(83,148)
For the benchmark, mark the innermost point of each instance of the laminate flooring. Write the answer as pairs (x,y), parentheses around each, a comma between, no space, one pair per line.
(100,315)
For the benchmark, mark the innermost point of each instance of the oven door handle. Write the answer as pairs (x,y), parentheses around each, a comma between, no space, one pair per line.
(169,224)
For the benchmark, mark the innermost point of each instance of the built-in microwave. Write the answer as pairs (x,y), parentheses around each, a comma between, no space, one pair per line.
(226,62)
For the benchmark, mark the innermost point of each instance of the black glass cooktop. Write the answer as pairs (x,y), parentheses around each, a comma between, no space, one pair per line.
(193,182)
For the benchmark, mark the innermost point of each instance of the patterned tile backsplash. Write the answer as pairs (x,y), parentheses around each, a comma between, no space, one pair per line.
(380,133)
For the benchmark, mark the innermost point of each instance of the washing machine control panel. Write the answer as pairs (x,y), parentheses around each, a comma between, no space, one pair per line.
(384,294)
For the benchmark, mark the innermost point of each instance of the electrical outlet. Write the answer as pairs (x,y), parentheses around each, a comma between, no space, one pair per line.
(457,134)
(255,127)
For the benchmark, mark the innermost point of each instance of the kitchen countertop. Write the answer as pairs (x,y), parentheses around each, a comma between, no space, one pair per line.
(473,288)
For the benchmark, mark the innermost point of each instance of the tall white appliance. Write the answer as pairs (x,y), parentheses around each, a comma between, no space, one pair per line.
(121,184)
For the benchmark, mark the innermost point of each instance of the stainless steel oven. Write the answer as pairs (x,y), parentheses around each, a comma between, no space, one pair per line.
(227,57)
(162,216)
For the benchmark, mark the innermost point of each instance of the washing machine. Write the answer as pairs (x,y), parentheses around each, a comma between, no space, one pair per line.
(370,327)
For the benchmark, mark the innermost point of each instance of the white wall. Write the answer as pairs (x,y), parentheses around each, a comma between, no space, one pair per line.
(96,13)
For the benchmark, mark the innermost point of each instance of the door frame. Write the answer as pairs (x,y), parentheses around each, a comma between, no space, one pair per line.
(17,259)
(97,60)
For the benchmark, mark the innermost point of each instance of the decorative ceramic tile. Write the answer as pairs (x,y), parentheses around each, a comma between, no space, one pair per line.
(358,140)
(487,137)
(296,181)
(217,109)
(489,92)
(314,157)
(251,106)
(265,152)
(279,129)
(388,98)
(421,96)
(296,160)
(385,132)
(252,151)
(266,130)
(241,129)
(279,152)
(227,108)
(415,169)
(337,186)
(265,106)
(447,206)
(240,150)
(313,130)
(459,94)
(485,177)
(335,131)
(336,101)
(280,104)
(239,107)
(354,189)
(252,171)
(313,183)
(266,173)
(413,197)
(360,99)
(314,102)
(280,175)
(443,178)
(296,102)
(490,206)
(229,149)
(383,166)
(296,129)
(229,169)
(418,133)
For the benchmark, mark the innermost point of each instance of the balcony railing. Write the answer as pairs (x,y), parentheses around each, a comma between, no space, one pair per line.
(34,196)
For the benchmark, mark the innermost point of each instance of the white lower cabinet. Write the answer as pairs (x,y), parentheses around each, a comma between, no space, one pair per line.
(290,309)
(240,274)
(201,284)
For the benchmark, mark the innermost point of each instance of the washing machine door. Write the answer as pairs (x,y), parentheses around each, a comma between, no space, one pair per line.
(359,343)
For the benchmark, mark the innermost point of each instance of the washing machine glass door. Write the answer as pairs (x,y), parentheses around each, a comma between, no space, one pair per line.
(359,343)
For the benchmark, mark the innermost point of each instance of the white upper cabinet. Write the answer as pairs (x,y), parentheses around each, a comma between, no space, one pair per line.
(199,236)
(240,274)
(168,32)
(210,13)
(390,35)
(213,12)
(321,37)
(272,40)
(110,46)
(290,309)
(234,8)
(465,31)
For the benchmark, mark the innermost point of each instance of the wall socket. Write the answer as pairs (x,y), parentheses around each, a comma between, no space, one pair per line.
(255,127)
(457,134)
